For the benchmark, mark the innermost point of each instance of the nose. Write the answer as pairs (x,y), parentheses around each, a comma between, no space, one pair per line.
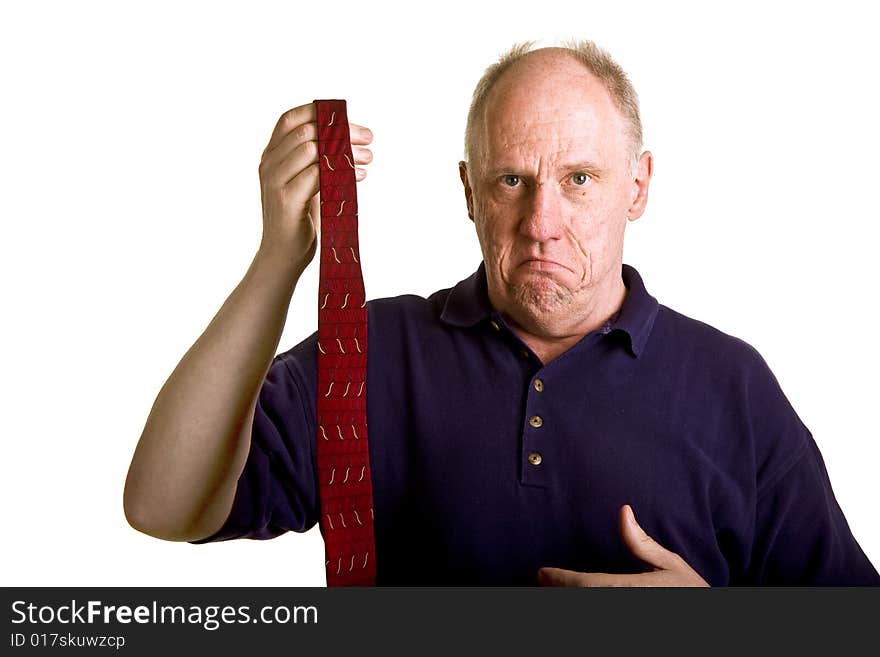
(542,218)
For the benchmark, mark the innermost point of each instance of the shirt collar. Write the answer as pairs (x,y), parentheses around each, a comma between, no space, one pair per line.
(468,304)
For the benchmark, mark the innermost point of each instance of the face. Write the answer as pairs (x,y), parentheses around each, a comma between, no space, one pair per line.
(551,191)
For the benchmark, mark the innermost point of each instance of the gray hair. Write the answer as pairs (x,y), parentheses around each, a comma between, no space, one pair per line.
(595,59)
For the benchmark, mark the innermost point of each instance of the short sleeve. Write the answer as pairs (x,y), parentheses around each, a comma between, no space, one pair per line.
(277,490)
(802,536)
(797,533)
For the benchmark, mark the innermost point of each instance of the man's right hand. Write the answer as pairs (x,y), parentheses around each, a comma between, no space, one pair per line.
(289,183)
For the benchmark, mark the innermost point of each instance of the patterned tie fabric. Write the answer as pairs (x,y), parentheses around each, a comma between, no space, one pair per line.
(345,488)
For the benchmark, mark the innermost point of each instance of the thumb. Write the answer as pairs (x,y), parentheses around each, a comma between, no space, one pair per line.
(315,212)
(640,544)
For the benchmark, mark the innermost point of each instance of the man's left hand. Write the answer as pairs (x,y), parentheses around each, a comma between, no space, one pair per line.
(669,569)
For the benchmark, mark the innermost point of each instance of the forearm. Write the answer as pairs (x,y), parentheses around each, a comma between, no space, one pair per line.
(183,475)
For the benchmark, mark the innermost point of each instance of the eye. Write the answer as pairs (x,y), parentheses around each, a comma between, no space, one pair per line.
(580,178)
(510,180)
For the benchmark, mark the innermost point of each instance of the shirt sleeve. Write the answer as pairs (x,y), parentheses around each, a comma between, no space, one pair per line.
(802,536)
(277,490)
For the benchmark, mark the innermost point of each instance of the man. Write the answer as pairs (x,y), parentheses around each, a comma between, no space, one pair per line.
(522,420)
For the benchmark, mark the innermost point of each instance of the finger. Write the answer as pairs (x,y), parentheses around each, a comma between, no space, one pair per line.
(306,132)
(361,155)
(287,169)
(643,546)
(359,135)
(296,137)
(558,577)
(303,156)
(306,184)
(290,120)
(656,578)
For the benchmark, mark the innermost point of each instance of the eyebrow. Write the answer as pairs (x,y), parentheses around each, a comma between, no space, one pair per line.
(586,166)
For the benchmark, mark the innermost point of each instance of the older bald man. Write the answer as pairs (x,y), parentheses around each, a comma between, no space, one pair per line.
(521,417)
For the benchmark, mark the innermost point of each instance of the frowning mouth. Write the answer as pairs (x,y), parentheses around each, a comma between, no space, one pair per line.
(541,264)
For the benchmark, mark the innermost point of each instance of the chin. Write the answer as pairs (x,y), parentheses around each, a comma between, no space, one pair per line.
(540,297)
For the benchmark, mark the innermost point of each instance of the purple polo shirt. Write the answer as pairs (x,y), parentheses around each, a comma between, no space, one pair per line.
(488,464)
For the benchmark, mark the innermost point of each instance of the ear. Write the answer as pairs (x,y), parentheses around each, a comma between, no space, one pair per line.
(644,171)
(468,192)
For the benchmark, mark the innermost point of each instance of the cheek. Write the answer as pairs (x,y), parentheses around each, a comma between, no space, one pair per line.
(594,226)
(493,223)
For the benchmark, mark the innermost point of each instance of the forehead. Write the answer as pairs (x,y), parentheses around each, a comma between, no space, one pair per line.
(545,106)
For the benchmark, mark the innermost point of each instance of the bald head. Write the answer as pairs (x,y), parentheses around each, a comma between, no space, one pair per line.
(542,76)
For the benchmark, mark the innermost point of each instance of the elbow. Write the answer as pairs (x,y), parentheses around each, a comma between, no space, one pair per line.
(156,518)
(139,516)
(148,518)
(146,522)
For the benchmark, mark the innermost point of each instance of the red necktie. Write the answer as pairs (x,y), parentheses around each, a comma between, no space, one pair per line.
(345,489)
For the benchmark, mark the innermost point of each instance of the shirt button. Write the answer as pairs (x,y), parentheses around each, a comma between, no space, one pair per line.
(539,385)
(536,421)
(494,325)
(524,354)
(535,458)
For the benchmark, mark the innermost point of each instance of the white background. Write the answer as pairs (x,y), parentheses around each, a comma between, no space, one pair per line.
(129,144)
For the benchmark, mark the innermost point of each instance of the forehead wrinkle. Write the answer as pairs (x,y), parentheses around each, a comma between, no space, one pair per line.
(583,122)
(521,155)
(523,140)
